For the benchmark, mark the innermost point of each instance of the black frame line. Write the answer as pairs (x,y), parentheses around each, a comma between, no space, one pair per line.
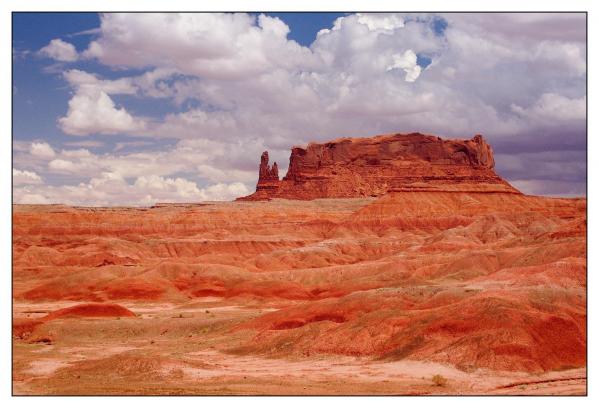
(586,13)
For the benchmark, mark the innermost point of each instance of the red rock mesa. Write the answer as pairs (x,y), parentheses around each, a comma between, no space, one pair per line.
(371,167)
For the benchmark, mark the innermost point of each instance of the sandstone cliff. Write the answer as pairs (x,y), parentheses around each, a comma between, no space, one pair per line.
(371,167)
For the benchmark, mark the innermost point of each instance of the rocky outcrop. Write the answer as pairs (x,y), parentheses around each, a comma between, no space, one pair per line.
(371,167)
(268,179)
(267,173)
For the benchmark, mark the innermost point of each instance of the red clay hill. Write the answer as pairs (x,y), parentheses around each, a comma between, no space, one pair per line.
(374,166)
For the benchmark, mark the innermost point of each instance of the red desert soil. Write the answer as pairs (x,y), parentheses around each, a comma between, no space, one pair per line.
(361,295)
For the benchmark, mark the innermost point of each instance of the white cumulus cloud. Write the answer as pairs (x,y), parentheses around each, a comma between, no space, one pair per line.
(384,22)
(92,111)
(554,107)
(41,150)
(20,177)
(109,188)
(223,46)
(60,51)
(408,62)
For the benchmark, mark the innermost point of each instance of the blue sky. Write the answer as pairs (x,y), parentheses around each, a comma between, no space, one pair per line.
(138,108)
(43,94)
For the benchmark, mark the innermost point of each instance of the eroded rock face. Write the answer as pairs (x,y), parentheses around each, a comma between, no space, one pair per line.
(371,167)
(268,179)
(266,172)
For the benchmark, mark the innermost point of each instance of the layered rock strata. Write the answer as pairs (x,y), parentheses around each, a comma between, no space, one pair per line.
(372,167)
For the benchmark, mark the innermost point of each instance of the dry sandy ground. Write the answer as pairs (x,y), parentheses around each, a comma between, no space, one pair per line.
(182,350)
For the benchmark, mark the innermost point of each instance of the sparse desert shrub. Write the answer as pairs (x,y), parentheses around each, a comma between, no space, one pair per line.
(439,380)
(42,340)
